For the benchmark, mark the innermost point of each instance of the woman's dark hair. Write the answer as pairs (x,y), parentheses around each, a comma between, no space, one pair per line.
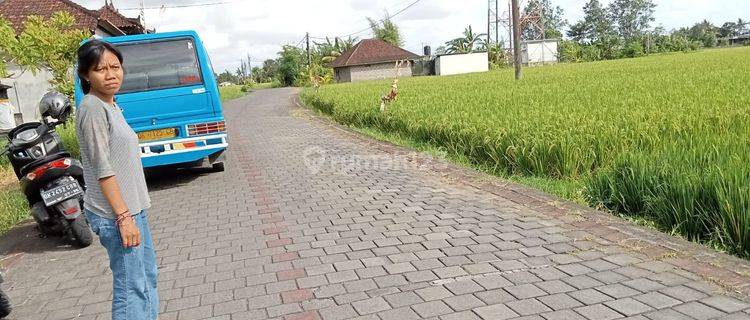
(89,55)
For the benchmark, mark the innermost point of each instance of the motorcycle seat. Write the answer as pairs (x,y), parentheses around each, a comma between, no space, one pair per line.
(49,158)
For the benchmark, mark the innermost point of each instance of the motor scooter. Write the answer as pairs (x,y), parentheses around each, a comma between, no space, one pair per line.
(50,177)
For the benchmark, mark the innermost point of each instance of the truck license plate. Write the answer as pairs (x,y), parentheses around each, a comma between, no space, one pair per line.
(159,134)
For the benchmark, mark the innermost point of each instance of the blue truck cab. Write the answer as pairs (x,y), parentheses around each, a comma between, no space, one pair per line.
(170,98)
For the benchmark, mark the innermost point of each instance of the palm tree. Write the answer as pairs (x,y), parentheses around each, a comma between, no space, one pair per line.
(346,44)
(465,44)
(330,50)
(741,25)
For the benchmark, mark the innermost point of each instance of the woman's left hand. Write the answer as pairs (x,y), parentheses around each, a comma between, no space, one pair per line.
(131,236)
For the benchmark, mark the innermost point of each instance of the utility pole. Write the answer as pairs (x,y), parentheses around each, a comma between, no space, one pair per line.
(309,57)
(143,15)
(516,37)
(489,23)
(510,26)
(497,22)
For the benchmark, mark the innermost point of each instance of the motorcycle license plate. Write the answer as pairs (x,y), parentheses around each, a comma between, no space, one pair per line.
(60,193)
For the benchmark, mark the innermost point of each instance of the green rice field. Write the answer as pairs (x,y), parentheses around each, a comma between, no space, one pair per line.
(663,138)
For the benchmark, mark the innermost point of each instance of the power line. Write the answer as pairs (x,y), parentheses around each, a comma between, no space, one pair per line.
(368,28)
(300,42)
(180,6)
(383,20)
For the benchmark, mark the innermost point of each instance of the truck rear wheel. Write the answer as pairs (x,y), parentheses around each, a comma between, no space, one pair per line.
(218,167)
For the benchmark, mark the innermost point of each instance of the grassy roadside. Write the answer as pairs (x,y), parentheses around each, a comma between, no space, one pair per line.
(13,206)
(267,85)
(569,189)
(236,91)
(231,92)
(637,136)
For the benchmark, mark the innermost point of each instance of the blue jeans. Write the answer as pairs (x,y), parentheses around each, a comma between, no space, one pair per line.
(134,272)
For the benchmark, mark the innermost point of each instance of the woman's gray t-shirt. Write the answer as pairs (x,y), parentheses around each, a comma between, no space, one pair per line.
(109,147)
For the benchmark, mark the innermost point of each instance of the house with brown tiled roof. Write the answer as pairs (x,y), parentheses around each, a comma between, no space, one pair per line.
(127,25)
(104,22)
(372,59)
(28,88)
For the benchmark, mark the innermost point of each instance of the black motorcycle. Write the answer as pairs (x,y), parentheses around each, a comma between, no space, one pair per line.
(50,178)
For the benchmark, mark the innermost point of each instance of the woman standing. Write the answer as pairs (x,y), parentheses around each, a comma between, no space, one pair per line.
(116,195)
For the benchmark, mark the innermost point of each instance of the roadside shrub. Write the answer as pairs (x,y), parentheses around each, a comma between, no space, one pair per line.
(569,51)
(633,49)
(695,45)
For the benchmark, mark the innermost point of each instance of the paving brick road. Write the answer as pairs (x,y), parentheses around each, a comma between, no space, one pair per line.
(312,222)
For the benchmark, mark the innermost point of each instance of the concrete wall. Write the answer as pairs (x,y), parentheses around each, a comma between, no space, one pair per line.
(377,71)
(539,52)
(27,90)
(461,63)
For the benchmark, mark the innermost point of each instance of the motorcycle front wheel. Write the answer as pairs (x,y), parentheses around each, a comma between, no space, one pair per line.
(79,232)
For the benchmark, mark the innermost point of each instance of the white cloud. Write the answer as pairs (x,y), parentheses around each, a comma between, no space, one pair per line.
(260,27)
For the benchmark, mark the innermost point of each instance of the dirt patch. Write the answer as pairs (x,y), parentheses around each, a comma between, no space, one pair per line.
(7,177)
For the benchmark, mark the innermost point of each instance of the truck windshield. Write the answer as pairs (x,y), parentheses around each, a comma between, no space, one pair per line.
(160,65)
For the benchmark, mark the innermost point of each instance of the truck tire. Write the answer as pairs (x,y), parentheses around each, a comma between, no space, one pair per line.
(79,232)
(218,167)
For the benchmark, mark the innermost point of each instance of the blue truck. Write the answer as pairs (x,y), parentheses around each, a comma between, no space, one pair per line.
(171,99)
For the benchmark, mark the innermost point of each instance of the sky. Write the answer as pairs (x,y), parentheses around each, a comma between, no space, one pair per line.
(258,28)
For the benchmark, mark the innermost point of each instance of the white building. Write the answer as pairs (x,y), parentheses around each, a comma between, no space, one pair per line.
(534,52)
(448,64)
(27,89)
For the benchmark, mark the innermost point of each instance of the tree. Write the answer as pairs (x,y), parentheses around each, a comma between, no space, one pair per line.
(632,17)
(705,33)
(244,71)
(347,44)
(269,71)
(595,24)
(227,76)
(741,24)
(553,18)
(497,55)
(732,29)
(579,32)
(330,50)
(291,62)
(43,45)
(257,75)
(465,44)
(729,29)
(388,32)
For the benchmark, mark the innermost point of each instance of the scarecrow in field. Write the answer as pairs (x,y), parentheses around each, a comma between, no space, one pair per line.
(390,97)
(393,94)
